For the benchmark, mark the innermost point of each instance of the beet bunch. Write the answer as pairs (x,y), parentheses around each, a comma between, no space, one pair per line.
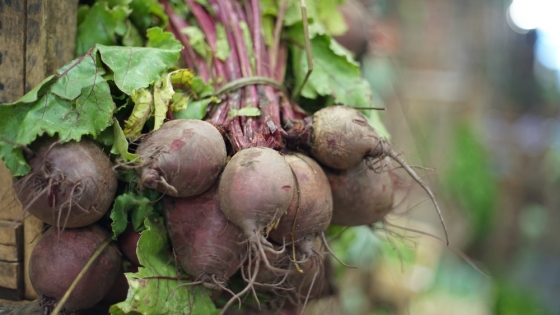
(246,193)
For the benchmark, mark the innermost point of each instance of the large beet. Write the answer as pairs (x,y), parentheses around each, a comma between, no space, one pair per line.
(183,158)
(361,196)
(209,247)
(58,258)
(311,207)
(70,184)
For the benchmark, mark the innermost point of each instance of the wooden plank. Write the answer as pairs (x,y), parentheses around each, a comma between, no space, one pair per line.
(11,233)
(10,207)
(11,275)
(10,253)
(11,241)
(37,37)
(51,32)
(32,229)
(12,52)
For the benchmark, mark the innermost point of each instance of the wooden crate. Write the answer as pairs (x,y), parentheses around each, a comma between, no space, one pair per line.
(36,38)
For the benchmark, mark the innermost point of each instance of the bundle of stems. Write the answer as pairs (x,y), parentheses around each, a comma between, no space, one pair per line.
(251,76)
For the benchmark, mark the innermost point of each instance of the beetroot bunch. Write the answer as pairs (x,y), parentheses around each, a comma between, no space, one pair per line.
(246,191)
(289,174)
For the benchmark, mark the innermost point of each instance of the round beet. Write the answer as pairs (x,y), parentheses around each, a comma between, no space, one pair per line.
(58,258)
(70,184)
(341,137)
(361,196)
(209,247)
(311,208)
(183,158)
(128,242)
(255,189)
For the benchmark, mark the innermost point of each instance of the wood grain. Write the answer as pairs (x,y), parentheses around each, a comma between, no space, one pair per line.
(37,37)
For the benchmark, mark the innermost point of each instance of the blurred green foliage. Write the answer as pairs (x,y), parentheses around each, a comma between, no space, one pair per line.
(511,299)
(469,181)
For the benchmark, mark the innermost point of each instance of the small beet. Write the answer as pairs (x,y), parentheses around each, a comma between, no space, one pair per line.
(58,258)
(361,196)
(183,158)
(209,247)
(70,184)
(256,189)
(311,208)
(128,242)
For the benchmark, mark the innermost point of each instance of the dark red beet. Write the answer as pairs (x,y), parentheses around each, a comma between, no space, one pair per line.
(256,189)
(311,206)
(209,247)
(361,196)
(128,242)
(70,184)
(183,158)
(58,258)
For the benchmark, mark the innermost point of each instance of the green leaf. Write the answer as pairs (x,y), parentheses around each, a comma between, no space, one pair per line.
(142,111)
(76,103)
(153,289)
(334,74)
(222,44)
(245,111)
(146,14)
(158,38)
(100,25)
(132,37)
(163,93)
(197,39)
(200,88)
(469,179)
(120,144)
(247,39)
(132,206)
(138,67)
(196,109)
(331,17)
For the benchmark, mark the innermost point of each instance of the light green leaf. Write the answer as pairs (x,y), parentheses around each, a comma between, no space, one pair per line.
(151,295)
(163,93)
(142,111)
(331,17)
(158,38)
(245,111)
(335,73)
(197,39)
(132,37)
(222,44)
(120,144)
(200,88)
(247,39)
(129,206)
(100,25)
(146,14)
(196,109)
(138,67)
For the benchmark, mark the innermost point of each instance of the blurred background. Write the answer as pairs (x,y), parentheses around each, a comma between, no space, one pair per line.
(471,91)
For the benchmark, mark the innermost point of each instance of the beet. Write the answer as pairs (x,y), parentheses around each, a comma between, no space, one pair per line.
(59,257)
(70,184)
(256,189)
(208,246)
(361,196)
(128,242)
(341,137)
(311,207)
(183,158)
